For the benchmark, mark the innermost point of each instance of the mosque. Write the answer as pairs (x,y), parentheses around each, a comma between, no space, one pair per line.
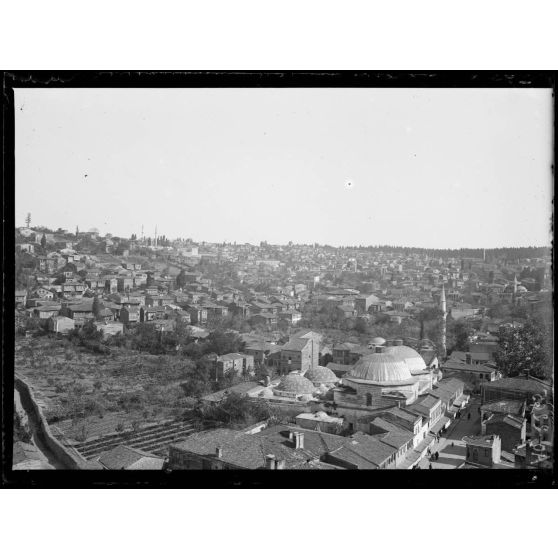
(392,376)
(299,386)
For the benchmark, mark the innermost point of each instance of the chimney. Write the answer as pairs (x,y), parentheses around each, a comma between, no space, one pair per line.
(270,461)
(378,349)
(219,452)
(299,440)
(279,464)
(468,359)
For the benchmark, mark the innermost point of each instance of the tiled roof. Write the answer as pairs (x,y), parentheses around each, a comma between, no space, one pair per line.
(505,406)
(392,434)
(122,457)
(296,344)
(366,452)
(507,419)
(239,449)
(521,383)
(462,366)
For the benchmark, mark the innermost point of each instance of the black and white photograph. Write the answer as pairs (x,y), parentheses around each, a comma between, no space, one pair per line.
(291,276)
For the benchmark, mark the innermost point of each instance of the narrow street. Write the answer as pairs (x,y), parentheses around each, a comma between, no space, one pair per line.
(451,446)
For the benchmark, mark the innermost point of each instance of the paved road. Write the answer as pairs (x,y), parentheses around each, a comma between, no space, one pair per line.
(451,446)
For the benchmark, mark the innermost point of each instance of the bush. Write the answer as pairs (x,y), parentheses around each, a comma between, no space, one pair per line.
(21,432)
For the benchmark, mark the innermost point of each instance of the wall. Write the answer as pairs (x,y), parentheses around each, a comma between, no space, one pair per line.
(68,457)
(510,436)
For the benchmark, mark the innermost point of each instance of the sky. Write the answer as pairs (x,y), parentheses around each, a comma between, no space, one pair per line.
(432,168)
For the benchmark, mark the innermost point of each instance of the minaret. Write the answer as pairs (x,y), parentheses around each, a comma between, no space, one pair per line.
(444,316)
(484,254)
(514,288)
(155,236)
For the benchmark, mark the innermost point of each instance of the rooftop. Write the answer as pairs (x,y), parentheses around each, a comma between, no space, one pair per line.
(125,457)
(505,406)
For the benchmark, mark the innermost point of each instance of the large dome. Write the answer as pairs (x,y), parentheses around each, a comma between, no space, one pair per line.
(413,359)
(378,341)
(295,384)
(381,367)
(321,375)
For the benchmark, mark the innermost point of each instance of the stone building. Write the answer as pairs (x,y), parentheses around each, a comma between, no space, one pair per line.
(483,451)
(235,363)
(299,354)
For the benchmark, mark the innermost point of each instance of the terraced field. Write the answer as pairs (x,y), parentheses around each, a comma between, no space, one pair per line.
(87,397)
(154,439)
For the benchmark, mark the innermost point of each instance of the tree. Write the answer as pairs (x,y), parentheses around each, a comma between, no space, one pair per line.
(234,411)
(199,383)
(526,349)
(43,241)
(96,307)
(498,310)
(461,336)
(181,280)
(21,431)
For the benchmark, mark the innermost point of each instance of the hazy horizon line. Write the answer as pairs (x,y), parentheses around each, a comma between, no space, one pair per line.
(394,246)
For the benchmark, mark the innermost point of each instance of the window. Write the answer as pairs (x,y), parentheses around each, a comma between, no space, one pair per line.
(368,399)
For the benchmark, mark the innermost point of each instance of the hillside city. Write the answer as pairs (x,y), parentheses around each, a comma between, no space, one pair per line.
(151,353)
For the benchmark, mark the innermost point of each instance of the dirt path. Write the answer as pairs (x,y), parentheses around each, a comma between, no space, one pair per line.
(28,415)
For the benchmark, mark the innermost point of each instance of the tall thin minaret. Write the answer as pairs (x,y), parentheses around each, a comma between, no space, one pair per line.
(514,288)
(142,235)
(155,236)
(444,316)
(484,254)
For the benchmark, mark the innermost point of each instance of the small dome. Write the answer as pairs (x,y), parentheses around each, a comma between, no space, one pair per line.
(321,375)
(412,359)
(321,414)
(381,367)
(426,344)
(378,341)
(295,384)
